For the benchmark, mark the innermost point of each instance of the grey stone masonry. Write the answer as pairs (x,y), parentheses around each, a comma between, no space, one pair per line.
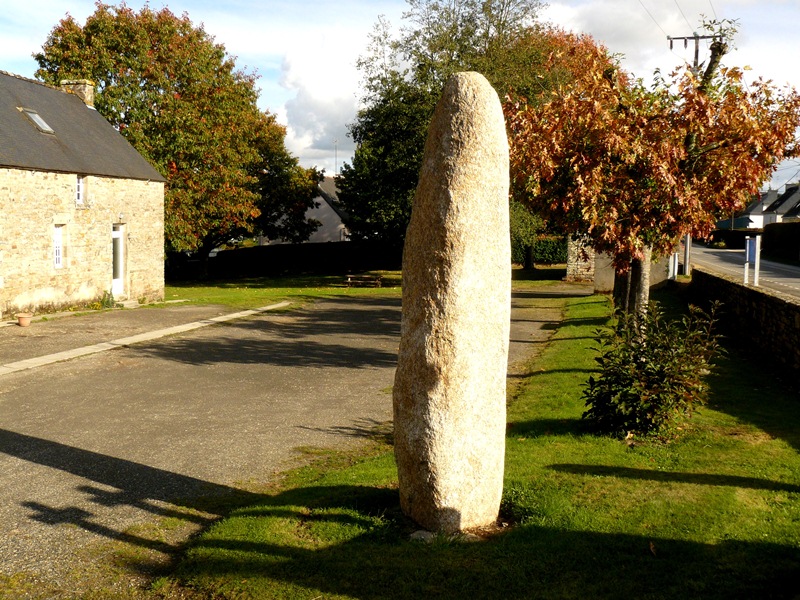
(56,246)
(580,261)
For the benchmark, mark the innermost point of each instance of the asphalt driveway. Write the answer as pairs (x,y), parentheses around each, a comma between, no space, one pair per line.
(92,446)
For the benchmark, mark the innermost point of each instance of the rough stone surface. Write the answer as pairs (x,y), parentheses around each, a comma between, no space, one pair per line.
(449,392)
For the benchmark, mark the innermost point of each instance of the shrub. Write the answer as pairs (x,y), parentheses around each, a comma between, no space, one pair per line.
(524,228)
(550,250)
(652,373)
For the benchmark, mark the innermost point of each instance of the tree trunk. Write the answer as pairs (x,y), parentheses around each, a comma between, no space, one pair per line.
(203,252)
(632,288)
(622,286)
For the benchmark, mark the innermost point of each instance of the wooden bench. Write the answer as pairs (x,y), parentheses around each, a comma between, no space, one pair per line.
(363,281)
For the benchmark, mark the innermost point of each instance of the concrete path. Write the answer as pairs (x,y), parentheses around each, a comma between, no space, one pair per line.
(147,336)
(149,426)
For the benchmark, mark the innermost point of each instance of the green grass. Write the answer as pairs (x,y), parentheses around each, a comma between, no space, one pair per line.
(714,514)
(262,291)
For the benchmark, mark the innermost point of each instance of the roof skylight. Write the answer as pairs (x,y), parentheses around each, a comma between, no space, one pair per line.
(37,120)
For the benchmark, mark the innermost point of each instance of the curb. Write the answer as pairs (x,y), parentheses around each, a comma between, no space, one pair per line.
(48,359)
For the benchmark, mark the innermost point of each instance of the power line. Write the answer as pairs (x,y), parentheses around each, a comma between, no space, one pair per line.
(790,178)
(652,17)
(712,9)
(683,15)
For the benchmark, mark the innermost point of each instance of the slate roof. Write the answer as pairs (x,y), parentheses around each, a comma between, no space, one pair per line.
(82,142)
(783,205)
(327,190)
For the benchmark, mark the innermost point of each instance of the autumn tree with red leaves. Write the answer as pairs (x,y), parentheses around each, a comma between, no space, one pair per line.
(633,169)
(181,102)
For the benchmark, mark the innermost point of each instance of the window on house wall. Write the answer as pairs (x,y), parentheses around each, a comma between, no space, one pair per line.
(58,246)
(80,189)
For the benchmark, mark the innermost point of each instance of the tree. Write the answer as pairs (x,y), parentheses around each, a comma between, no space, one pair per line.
(179,99)
(403,79)
(635,169)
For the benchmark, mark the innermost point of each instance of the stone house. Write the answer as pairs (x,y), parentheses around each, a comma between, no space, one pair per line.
(81,211)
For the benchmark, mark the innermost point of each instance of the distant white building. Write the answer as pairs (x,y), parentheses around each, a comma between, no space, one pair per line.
(785,208)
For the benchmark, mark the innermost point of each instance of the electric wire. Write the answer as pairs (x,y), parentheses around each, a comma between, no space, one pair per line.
(654,19)
(795,174)
(683,15)
(661,28)
(713,11)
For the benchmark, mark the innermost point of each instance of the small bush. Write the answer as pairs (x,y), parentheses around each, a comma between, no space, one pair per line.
(550,250)
(652,373)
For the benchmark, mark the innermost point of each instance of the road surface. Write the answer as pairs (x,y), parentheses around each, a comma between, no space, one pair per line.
(773,275)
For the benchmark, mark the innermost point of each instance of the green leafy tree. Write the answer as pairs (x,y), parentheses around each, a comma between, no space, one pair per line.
(403,78)
(182,103)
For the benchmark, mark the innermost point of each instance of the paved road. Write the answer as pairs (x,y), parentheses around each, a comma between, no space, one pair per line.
(91,446)
(773,275)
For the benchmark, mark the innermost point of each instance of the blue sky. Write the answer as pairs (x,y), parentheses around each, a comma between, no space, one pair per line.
(305,52)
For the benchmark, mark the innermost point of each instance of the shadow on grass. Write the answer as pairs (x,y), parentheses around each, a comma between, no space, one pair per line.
(574,290)
(540,273)
(753,393)
(377,560)
(545,427)
(753,483)
(365,429)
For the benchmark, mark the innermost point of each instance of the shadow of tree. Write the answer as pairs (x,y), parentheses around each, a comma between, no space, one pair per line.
(542,427)
(344,332)
(378,560)
(368,429)
(668,476)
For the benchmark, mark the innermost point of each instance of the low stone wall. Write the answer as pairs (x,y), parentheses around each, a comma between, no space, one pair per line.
(765,321)
(604,273)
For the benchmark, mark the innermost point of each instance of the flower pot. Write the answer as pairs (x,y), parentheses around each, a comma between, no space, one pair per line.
(24,319)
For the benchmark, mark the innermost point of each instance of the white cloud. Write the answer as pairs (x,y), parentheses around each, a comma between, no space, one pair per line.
(305,53)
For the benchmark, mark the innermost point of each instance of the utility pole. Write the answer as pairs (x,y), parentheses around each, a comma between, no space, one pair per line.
(687,241)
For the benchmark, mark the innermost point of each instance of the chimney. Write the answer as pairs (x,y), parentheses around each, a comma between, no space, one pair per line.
(82,88)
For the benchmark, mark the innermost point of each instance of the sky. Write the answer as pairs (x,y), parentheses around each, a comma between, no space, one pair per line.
(305,52)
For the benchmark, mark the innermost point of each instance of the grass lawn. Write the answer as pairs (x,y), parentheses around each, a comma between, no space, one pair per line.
(715,514)
(252,293)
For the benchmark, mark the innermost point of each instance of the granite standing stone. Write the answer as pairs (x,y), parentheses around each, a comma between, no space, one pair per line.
(449,391)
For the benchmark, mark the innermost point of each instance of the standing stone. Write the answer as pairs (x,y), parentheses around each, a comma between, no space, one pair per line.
(449,390)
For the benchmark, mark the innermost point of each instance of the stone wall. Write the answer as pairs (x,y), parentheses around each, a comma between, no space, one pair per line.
(767,322)
(580,261)
(604,273)
(34,203)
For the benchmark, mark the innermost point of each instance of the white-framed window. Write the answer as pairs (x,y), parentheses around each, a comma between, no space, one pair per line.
(80,189)
(58,246)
